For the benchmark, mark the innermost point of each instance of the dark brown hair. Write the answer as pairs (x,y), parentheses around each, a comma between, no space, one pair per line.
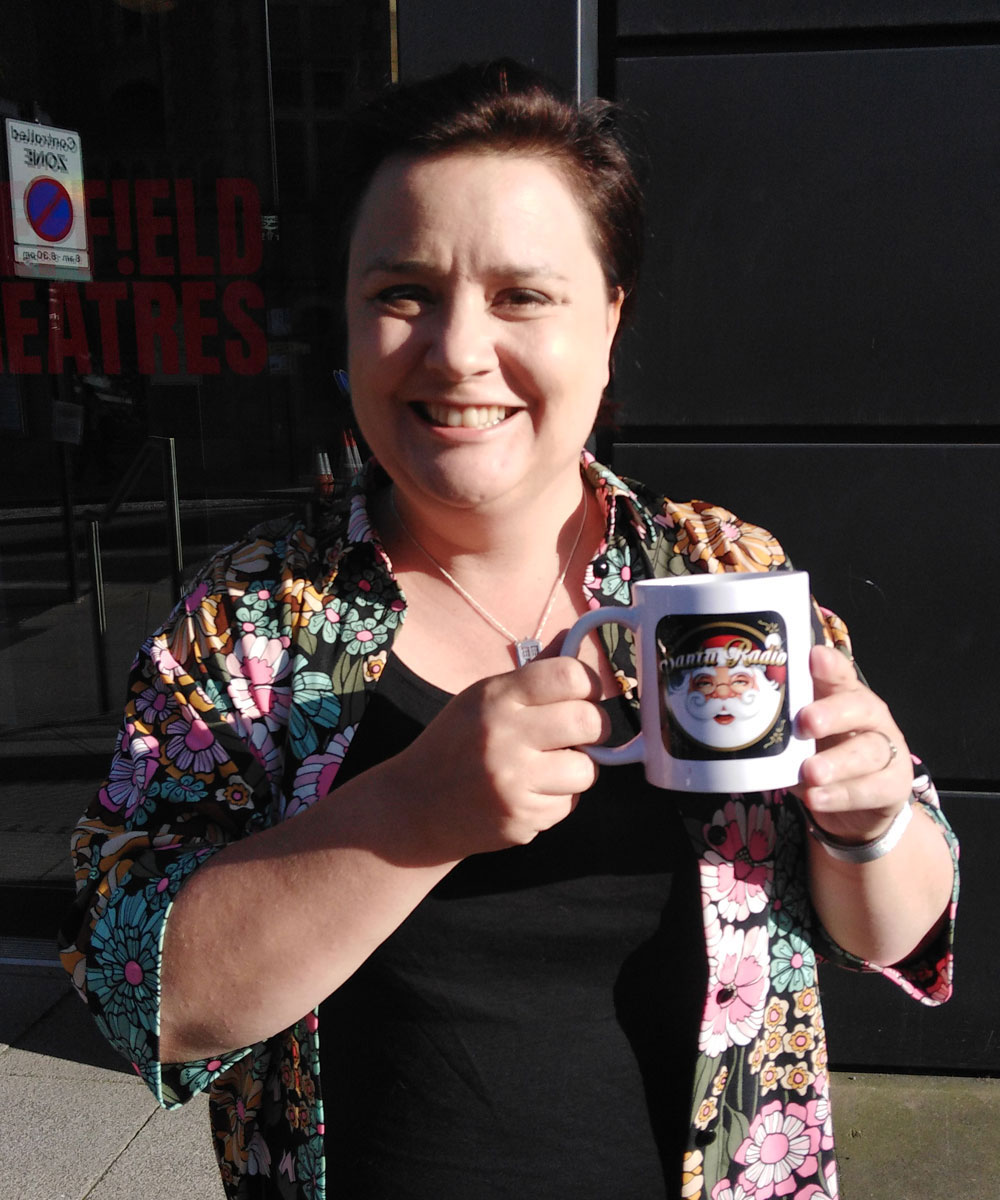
(504,107)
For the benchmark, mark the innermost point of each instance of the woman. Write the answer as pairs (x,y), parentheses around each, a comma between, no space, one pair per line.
(519,979)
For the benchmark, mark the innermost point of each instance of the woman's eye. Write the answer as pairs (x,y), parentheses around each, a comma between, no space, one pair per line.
(402,297)
(522,298)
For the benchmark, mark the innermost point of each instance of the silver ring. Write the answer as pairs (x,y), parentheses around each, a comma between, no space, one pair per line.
(893,749)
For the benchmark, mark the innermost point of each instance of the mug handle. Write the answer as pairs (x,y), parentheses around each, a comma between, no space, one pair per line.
(634,750)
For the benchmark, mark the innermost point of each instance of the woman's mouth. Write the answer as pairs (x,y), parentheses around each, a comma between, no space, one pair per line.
(465,416)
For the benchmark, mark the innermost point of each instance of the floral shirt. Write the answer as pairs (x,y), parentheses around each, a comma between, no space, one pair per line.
(241,709)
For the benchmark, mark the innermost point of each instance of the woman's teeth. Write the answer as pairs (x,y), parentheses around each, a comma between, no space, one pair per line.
(468,416)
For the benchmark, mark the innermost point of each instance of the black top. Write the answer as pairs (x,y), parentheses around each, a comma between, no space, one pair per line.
(530,1030)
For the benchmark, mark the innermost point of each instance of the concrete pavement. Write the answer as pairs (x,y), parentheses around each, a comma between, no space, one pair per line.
(76,1124)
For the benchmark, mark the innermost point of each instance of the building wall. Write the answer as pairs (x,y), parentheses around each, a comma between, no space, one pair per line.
(815,350)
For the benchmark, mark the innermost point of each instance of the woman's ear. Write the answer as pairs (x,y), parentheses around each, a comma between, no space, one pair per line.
(614,313)
(615,303)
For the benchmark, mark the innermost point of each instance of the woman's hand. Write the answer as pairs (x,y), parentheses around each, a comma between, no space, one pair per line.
(499,763)
(862,773)
(886,910)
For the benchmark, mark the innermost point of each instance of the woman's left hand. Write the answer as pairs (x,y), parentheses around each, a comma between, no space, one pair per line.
(862,773)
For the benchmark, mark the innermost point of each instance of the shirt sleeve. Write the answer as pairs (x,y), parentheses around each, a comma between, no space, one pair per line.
(196,766)
(705,537)
(928,977)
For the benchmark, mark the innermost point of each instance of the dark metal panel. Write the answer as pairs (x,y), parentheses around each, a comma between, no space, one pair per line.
(872,1025)
(899,541)
(823,241)
(558,37)
(672,17)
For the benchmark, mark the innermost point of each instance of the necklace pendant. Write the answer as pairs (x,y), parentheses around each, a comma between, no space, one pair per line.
(527,649)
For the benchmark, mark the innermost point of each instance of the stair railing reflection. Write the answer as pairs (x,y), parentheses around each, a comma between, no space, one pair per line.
(153,446)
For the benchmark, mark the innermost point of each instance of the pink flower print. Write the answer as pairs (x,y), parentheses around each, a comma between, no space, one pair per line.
(832,1187)
(818,1113)
(923,785)
(780,1145)
(737,871)
(258,666)
(161,656)
(153,705)
(590,581)
(192,746)
(140,745)
(738,980)
(193,600)
(259,740)
(724,1190)
(359,527)
(258,1155)
(315,778)
(128,778)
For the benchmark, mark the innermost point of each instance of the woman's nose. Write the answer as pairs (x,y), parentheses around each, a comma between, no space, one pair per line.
(461,342)
(723,691)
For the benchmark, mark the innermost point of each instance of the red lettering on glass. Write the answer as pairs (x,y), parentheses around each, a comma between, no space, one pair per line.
(156,322)
(198,327)
(238,204)
(250,356)
(150,226)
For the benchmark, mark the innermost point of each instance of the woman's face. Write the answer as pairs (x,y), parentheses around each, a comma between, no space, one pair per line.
(479,328)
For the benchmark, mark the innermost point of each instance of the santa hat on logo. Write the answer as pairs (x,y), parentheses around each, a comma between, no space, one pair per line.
(776,675)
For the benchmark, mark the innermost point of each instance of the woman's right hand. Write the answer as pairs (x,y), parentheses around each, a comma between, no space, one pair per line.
(499,763)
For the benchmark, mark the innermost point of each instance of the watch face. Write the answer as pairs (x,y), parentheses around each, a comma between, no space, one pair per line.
(723,685)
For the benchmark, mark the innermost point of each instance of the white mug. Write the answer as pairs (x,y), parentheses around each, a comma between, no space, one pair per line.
(723,666)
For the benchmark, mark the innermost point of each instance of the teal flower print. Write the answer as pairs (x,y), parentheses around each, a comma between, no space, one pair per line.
(132,1041)
(793,963)
(161,894)
(328,622)
(124,981)
(196,1076)
(255,613)
(258,598)
(314,707)
(219,697)
(362,635)
(368,588)
(309,1168)
(186,790)
(618,580)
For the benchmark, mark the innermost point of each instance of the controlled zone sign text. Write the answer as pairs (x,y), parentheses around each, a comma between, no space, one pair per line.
(48,217)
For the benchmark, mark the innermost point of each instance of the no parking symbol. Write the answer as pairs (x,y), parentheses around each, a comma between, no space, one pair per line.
(49,209)
(47,213)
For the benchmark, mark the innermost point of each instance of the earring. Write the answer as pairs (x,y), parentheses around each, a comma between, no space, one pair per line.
(340,379)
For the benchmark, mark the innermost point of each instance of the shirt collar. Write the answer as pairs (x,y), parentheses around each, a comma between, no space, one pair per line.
(617,497)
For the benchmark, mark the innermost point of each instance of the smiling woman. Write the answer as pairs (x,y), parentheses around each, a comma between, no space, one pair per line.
(480,330)
(473,968)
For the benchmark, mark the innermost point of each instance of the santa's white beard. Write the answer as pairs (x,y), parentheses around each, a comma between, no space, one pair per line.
(750,715)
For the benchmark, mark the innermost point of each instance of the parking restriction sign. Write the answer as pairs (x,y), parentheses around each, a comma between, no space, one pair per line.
(47,211)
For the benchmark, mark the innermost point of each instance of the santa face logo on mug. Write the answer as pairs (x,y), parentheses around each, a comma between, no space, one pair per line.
(723,685)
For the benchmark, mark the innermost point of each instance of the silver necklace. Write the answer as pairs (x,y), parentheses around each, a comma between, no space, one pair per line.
(525,648)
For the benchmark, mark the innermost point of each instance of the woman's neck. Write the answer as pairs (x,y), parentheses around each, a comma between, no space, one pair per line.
(530,538)
(513,568)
